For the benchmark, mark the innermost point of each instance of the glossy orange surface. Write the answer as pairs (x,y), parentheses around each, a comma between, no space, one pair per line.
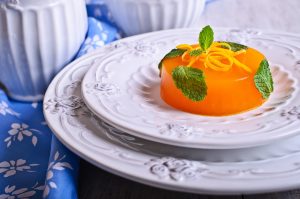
(228,93)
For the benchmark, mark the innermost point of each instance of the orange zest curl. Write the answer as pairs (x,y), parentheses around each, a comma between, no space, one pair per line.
(215,57)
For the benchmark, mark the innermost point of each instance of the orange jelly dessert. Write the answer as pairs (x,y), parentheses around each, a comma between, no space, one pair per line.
(215,78)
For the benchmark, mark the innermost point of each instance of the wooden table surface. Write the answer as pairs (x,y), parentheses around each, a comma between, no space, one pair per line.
(281,15)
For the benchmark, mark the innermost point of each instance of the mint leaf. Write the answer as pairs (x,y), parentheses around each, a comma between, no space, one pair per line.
(173,53)
(191,82)
(206,37)
(195,53)
(234,46)
(263,79)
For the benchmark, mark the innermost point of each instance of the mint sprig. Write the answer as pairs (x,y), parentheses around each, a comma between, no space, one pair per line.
(206,38)
(191,82)
(195,53)
(173,53)
(263,79)
(234,46)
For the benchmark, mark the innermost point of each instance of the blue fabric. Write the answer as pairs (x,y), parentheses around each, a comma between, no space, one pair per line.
(33,163)
(99,11)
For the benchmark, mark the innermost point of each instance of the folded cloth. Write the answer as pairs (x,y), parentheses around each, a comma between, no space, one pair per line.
(98,10)
(33,163)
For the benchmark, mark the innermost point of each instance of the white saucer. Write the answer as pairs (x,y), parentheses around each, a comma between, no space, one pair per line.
(123,89)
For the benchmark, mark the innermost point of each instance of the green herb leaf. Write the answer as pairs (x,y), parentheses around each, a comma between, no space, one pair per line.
(263,79)
(173,53)
(191,82)
(206,37)
(235,46)
(195,53)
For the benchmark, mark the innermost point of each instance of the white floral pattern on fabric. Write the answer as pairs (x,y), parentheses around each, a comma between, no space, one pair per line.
(92,43)
(10,168)
(34,105)
(4,109)
(10,192)
(58,165)
(18,131)
(100,26)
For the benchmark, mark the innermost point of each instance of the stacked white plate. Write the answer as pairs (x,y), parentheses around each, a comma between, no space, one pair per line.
(106,108)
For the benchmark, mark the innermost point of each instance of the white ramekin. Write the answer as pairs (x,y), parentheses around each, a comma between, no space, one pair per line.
(140,16)
(37,38)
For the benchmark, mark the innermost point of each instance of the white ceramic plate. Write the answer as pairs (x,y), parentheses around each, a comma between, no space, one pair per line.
(123,89)
(262,169)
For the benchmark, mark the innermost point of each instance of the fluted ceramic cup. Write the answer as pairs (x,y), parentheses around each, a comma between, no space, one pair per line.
(140,16)
(37,38)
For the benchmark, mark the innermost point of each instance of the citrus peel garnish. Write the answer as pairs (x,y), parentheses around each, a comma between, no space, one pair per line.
(218,57)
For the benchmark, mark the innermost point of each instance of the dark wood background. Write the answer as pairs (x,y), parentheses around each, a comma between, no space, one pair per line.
(95,183)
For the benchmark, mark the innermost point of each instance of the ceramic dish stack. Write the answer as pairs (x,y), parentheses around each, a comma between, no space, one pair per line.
(106,108)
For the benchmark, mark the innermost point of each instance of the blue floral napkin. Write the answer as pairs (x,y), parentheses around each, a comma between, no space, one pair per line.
(33,163)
